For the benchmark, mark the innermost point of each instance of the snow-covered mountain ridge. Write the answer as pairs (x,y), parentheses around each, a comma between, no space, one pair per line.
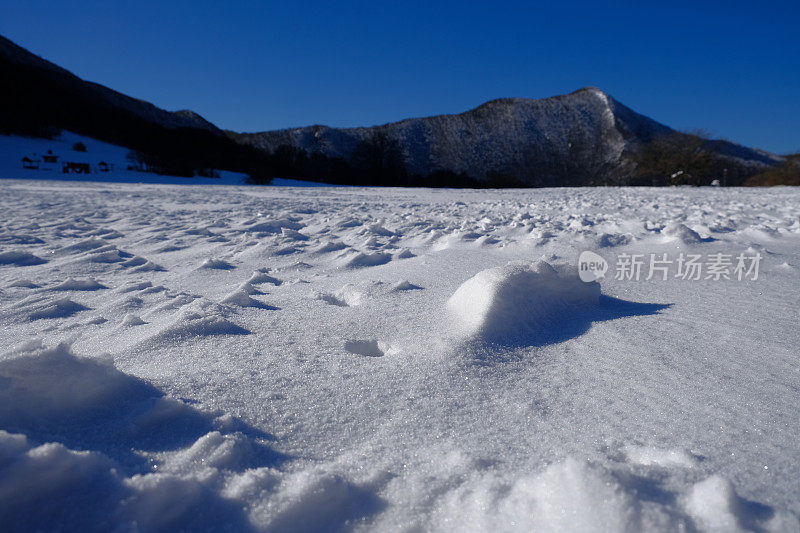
(583,138)
(584,131)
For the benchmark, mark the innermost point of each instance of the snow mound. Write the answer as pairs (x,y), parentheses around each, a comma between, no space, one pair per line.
(50,393)
(361,260)
(216,264)
(677,231)
(149,266)
(248,288)
(330,247)
(60,308)
(111,255)
(324,502)
(20,259)
(714,505)
(27,284)
(231,451)
(134,261)
(293,235)
(92,243)
(201,319)
(353,295)
(241,298)
(113,417)
(133,286)
(649,456)
(405,285)
(79,285)
(48,485)
(568,496)
(132,320)
(261,277)
(506,305)
(273,226)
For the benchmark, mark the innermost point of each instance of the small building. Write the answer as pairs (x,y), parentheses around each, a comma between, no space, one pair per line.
(70,167)
(32,164)
(50,157)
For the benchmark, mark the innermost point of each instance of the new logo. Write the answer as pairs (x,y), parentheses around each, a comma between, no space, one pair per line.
(591,266)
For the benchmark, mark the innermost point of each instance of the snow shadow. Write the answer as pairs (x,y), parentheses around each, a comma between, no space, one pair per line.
(570,324)
(743,514)
(50,395)
(331,504)
(524,304)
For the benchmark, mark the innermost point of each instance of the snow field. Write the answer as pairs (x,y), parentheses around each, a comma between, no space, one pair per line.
(280,358)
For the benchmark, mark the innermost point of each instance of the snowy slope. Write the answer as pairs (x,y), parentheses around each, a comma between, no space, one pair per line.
(548,140)
(14,148)
(323,359)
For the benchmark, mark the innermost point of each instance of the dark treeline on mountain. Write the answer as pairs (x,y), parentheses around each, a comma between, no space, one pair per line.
(786,174)
(375,162)
(683,159)
(672,159)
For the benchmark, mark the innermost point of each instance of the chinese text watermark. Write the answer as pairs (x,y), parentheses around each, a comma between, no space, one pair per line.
(661,267)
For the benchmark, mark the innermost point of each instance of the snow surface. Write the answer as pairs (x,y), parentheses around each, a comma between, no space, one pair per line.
(324,359)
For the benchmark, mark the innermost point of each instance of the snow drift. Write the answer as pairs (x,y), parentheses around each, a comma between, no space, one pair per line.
(521,302)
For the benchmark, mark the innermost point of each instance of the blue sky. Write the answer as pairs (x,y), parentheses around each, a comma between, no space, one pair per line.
(730,68)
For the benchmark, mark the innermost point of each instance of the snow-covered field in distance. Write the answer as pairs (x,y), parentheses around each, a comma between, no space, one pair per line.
(319,359)
(14,148)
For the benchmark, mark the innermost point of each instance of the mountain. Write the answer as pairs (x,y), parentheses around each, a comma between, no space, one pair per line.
(41,99)
(583,137)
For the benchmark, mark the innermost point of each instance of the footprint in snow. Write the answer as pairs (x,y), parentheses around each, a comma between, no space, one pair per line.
(330,299)
(369,348)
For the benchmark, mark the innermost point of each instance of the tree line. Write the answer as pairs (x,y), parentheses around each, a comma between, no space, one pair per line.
(675,159)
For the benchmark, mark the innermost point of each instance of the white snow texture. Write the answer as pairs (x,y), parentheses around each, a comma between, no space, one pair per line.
(196,358)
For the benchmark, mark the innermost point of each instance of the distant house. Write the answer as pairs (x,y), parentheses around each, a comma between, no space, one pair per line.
(102,166)
(50,157)
(69,167)
(32,164)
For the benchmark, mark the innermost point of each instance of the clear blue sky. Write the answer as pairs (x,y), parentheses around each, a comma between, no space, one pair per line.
(731,68)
